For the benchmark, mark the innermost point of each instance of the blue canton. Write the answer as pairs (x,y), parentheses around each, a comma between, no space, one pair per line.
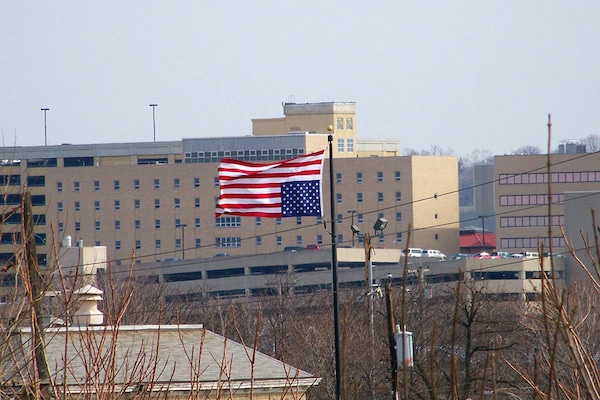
(300,198)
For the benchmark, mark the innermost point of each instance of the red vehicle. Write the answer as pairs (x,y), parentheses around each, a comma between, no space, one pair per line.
(313,247)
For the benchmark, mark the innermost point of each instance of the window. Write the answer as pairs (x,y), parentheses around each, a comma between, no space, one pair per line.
(138,224)
(178,223)
(360,218)
(77,226)
(177,203)
(198,242)
(340,145)
(175,183)
(397,176)
(381,238)
(339,218)
(359,197)
(278,221)
(299,240)
(196,182)
(59,205)
(76,186)
(117,205)
(235,241)
(117,245)
(157,224)
(340,238)
(338,178)
(96,186)
(258,241)
(97,225)
(97,243)
(117,185)
(136,184)
(156,203)
(228,222)
(97,205)
(338,198)
(379,176)
(398,216)
(136,204)
(138,244)
(117,225)
(298,220)
(398,237)
(156,184)
(61,227)
(258,221)
(398,197)
(380,197)
(216,181)
(359,177)
(197,222)
(77,206)
(59,186)
(320,239)
(350,145)
(278,240)
(197,202)
(157,244)
(435,216)
(340,123)
(178,243)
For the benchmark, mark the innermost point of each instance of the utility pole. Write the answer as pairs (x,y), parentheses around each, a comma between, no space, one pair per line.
(392,339)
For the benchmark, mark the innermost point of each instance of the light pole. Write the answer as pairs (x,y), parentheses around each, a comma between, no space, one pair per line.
(154,119)
(483,231)
(182,226)
(45,131)
(352,225)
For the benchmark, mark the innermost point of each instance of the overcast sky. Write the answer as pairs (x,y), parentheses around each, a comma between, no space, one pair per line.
(462,75)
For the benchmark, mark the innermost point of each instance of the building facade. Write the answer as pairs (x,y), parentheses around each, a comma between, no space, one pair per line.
(156,201)
(530,198)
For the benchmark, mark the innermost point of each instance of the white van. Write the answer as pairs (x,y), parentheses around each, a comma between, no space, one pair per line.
(433,254)
(414,252)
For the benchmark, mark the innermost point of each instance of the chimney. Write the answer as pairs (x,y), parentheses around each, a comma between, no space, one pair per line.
(66,242)
(88,313)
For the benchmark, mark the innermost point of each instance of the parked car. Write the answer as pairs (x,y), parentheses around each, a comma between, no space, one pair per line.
(500,254)
(221,255)
(481,255)
(460,256)
(413,252)
(293,249)
(433,254)
(313,247)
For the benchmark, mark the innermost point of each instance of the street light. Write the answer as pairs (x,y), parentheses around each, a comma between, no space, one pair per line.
(355,230)
(154,119)
(45,131)
(182,226)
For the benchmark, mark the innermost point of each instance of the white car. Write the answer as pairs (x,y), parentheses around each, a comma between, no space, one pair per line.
(413,252)
(433,254)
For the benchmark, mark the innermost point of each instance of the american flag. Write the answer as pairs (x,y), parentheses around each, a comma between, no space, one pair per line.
(287,188)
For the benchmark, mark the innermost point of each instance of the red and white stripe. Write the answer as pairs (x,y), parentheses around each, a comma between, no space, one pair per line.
(254,190)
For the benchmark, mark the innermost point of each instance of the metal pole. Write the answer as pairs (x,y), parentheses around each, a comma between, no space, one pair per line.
(338,357)
(154,119)
(483,230)
(45,130)
(392,340)
(352,225)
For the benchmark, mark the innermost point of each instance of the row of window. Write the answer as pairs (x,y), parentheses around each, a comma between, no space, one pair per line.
(117,204)
(117,184)
(137,224)
(349,145)
(359,177)
(195,157)
(530,199)
(531,242)
(532,220)
(542,177)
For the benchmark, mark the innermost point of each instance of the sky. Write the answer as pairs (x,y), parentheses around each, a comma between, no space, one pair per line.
(460,75)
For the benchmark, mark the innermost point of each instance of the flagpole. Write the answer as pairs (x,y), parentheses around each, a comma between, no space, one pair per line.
(336,321)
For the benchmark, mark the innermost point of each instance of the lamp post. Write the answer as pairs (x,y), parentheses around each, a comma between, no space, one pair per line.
(352,225)
(154,119)
(483,231)
(45,131)
(182,226)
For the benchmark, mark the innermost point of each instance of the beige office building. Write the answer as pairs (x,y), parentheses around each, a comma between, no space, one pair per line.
(156,201)
(530,200)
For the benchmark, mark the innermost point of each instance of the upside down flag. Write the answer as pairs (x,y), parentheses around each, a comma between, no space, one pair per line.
(286,188)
